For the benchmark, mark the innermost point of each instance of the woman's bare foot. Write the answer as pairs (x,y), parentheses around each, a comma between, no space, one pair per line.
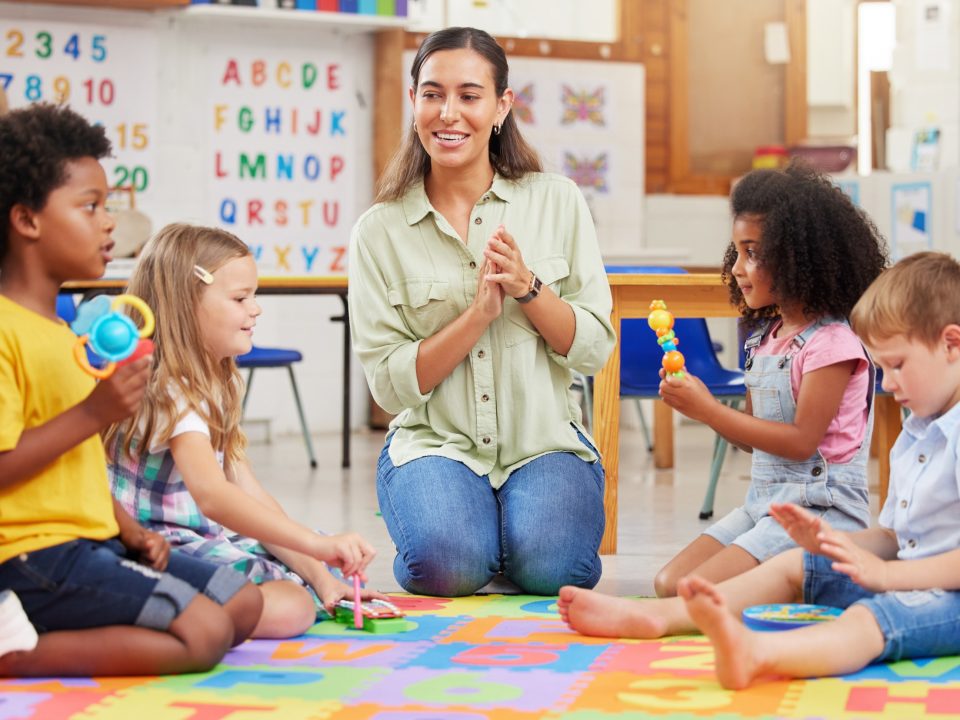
(592,613)
(735,647)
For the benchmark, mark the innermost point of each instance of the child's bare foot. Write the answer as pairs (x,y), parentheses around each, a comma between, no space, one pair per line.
(592,613)
(734,646)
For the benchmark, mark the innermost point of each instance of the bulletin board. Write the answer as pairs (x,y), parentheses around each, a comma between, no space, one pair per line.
(586,120)
(105,72)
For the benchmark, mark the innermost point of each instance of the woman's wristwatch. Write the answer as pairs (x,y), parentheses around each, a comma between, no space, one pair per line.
(534,290)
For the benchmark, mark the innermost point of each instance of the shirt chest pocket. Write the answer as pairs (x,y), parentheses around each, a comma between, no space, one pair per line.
(424,304)
(518,329)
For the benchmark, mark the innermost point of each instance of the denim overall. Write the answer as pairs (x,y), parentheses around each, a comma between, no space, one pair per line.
(835,491)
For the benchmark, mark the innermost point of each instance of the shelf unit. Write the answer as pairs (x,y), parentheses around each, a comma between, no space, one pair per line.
(346,23)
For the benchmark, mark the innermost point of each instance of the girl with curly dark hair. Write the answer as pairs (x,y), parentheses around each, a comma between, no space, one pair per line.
(801,256)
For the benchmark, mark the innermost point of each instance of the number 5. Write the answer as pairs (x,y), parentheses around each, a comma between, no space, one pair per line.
(99,53)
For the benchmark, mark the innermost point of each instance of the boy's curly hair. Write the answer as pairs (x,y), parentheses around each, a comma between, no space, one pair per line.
(36,143)
(818,248)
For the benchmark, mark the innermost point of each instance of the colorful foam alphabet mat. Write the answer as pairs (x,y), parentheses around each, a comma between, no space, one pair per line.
(509,658)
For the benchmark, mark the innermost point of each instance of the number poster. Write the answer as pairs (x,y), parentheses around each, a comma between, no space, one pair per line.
(107,74)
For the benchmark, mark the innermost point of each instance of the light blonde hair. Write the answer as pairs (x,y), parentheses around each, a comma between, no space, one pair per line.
(917,298)
(212,387)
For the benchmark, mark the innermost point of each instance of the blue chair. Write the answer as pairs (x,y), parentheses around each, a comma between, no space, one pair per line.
(66,308)
(640,362)
(268,357)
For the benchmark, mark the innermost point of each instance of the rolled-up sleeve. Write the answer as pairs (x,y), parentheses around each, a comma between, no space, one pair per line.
(587,291)
(381,339)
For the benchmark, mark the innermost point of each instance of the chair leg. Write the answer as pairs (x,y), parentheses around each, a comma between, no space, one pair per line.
(246,393)
(720,445)
(644,427)
(303,418)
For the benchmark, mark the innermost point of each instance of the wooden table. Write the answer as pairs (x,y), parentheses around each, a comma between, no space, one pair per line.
(334,285)
(690,295)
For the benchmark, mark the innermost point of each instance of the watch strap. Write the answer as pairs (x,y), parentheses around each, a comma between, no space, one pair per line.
(535,286)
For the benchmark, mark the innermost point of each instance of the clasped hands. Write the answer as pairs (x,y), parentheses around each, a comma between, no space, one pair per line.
(502,272)
(815,535)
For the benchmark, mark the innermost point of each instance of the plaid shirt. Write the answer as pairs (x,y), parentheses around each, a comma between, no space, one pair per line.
(152,490)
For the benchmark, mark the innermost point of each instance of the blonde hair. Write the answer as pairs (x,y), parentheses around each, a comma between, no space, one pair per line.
(212,387)
(917,298)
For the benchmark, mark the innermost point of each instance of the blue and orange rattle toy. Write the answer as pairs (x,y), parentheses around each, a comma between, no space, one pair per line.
(660,321)
(111,334)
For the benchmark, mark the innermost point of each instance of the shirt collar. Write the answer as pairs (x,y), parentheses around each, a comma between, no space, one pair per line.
(946,423)
(416,204)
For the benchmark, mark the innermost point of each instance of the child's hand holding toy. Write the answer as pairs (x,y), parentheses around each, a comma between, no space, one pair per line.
(111,334)
(661,321)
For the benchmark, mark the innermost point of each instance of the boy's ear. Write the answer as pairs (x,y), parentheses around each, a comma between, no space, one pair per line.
(951,336)
(24,222)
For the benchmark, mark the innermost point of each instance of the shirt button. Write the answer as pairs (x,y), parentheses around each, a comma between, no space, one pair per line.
(912,543)
(486,441)
(484,397)
(472,265)
(903,503)
(481,354)
(922,458)
(816,472)
(478,221)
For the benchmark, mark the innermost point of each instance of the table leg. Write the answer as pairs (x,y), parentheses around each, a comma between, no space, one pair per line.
(606,432)
(886,427)
(662,435)
(345,402)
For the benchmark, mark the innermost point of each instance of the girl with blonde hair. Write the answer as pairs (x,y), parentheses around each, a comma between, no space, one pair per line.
(178,465)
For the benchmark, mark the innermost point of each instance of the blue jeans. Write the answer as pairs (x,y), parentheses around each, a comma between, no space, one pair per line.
(454,532)
(915,623)
(87,583)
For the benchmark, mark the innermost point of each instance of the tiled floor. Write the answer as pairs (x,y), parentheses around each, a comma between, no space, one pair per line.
(658,508)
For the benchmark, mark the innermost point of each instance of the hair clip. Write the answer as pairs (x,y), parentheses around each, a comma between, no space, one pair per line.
(204,275)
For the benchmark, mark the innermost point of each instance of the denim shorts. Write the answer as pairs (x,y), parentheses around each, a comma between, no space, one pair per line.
(914,623)
(87,583)
(765,537)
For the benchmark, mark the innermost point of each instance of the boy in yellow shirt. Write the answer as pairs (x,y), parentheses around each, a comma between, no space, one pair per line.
(106,596)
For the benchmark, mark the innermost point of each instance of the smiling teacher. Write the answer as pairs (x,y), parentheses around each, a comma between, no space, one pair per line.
(476,287)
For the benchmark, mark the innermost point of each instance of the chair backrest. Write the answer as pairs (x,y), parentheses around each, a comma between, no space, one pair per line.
(66,308)
(641,356)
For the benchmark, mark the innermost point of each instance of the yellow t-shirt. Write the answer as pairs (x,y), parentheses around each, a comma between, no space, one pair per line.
(39,380)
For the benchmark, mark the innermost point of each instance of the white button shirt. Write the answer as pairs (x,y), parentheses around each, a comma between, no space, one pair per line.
(923,501)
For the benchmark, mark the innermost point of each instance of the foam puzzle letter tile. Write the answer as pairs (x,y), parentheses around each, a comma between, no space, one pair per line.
(620,691)
(321,652)
(515,656)
(423,627)
(375,712)
(536,690)
(693,658)
(269,683)
(149,704)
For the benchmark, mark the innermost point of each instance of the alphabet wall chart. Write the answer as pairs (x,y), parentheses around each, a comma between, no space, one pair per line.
(281,142)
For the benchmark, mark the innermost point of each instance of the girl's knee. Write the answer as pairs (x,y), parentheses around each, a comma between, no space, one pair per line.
(665,584)
(288,610)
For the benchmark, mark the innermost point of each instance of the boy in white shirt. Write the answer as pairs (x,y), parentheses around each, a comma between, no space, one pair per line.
(897,582)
